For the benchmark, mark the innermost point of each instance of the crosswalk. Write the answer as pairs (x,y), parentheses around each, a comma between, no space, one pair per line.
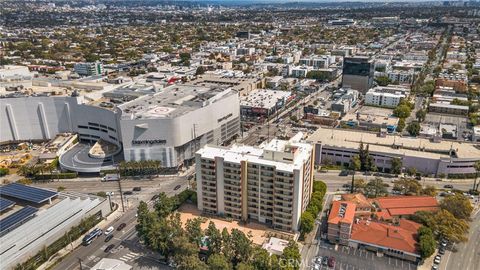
(129,257)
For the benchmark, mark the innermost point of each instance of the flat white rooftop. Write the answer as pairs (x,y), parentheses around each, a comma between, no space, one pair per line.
(403,145)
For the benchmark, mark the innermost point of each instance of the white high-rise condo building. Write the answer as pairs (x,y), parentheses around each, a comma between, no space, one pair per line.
(271,184)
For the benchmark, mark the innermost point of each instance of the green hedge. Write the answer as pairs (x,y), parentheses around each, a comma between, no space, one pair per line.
(69,175)
(74,233)
(461,176)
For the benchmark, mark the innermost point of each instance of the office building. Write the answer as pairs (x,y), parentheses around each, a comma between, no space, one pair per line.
(271,184)
(358,73)
(88,68)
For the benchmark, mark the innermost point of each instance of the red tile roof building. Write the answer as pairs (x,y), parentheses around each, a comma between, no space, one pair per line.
(340,221)
(395,240)
(403,206)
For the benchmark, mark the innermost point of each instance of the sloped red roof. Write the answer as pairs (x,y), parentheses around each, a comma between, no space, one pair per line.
(342,212)
(401,237)
(358,198)
(406,205)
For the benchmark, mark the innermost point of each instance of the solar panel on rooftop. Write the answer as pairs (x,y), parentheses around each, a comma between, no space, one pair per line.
(4,204)
(12,221)
(26,193)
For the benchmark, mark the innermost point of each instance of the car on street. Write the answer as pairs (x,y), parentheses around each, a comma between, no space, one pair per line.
(121,226)
(109,230)
(448,186)
(128,192)
(109,247)
(343,173)
(137,189)
(441,251)
(331,262)
(154,197)
(108,238)
(437,259)
(325,261)
(177,187)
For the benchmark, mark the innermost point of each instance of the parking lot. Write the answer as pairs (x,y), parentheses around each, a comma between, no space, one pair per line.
(348,258)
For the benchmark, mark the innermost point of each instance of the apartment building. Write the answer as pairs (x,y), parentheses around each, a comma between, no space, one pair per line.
(386,96)
(271,184)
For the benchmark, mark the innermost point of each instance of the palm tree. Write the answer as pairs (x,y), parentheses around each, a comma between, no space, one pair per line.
(355,165)
(477,170)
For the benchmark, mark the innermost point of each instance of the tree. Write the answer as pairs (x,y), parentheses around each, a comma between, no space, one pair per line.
(261,259)
(401,125)
(214,238)
(194,230)
(449,227)
(359,185)
(241,246)
(186,254)
(402,111)
(218,262)
(408,186)
(413,128)
(200,71)
(383,80)
(420,115)
(163,205)
(396,166)
(412,171)
(307,222)
(244,266)
(355,165)
(427,243)
(291,256)
(458,205)
(429,191)
(477,172)
(375,188)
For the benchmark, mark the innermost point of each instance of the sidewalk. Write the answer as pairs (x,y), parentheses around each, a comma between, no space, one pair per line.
(76,243)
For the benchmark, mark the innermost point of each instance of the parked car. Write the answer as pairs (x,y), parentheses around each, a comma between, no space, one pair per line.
(109,248)
(325,260)
(121,226)
(434,267)
(128,192)
(448,186)
(437,259)
(177,187)
(331,262)
(109,237)
(109,230)
(137,189)
(441,251)
(154,197)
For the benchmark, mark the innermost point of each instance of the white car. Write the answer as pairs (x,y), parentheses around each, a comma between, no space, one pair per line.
(109,230)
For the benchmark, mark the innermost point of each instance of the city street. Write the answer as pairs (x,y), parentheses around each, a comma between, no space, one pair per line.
(466,256)
(335,182)
(127,245)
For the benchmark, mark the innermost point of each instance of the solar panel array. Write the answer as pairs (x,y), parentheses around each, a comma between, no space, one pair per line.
(14,220)
(27,193)
(4,204)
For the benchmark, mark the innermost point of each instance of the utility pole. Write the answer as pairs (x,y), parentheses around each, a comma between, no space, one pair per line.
(119,184)
(80,262)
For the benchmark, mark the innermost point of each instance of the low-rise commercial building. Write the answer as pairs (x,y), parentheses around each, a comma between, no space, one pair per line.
(271,184)
(427,156)
(445,108)
(262,103)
